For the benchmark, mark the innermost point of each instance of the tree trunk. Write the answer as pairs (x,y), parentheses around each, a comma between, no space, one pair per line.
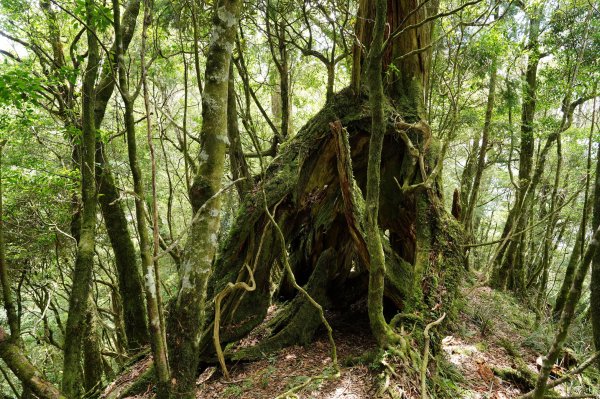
(130,285)
(483,148)
(466,179)
(92,353)
(567,314)
(381,330)
(419,259)
(569,274)
(548,235)
(188,313)
(84,262)
(7,295)
(595,282)
(128,271)
(239,166)
(153,303)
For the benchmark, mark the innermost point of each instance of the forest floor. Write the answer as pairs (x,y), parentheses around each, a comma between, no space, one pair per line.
(493,334)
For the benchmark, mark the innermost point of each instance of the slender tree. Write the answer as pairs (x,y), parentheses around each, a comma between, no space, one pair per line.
(595,281)
(153,304)
(82,275)
(188,314)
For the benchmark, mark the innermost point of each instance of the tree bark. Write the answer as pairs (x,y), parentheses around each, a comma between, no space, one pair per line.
(187,318)
(595,282)
(84,262)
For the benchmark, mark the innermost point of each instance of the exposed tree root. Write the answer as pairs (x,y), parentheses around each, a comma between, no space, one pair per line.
(425,359)
(230,287)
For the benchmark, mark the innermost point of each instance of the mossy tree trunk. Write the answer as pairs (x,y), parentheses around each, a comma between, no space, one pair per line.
(93,366)
(374,81)
(188,312)
(82,274)
(128,271)
(595,282)
(25,371)
(157,339)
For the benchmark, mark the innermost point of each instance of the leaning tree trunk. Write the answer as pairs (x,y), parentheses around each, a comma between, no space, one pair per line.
(314,190)
(24,370)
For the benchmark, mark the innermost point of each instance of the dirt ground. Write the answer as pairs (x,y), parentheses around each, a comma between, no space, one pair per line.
(479,345)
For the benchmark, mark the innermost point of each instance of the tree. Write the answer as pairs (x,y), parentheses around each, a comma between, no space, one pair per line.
(187,319)
(595,282)
(153,303)
(510,269)
(84,263)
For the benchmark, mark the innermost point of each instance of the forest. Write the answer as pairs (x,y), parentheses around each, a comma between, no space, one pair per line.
(299,199)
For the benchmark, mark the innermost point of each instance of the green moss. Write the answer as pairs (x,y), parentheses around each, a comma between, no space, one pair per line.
(141,383)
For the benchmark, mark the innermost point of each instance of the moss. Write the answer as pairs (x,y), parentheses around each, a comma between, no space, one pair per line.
(141,383)
(521,377)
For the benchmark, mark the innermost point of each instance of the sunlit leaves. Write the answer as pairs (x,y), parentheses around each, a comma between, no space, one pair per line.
(18,86)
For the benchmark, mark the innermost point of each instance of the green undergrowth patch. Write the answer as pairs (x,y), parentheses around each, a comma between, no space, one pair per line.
(495,315)
(499,319)
(447,380)
(236,390)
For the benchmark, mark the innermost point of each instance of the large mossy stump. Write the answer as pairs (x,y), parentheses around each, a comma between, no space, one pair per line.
(302,189)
